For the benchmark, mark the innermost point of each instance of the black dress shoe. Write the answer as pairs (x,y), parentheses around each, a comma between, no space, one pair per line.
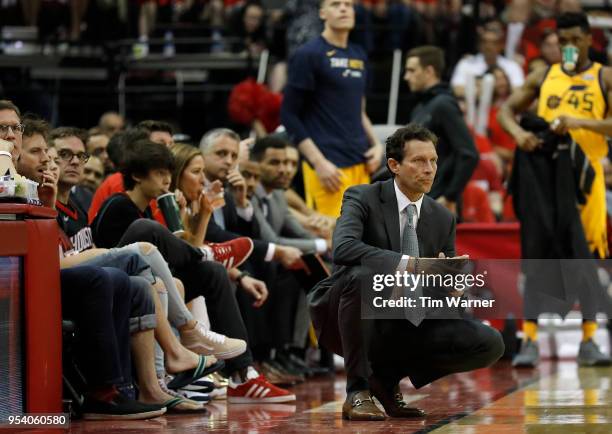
(290,365)
(393,401)
(361,407)
(283,369)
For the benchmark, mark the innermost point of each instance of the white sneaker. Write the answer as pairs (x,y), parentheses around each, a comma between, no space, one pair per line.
(202,341)
(219,393)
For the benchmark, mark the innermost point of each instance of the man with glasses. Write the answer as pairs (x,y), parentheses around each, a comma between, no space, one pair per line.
(11,131)
(72,218)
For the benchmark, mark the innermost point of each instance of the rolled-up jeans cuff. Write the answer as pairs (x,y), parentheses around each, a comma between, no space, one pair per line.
(143,323)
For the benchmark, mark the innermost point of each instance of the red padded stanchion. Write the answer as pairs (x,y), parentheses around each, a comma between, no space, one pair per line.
(31,232)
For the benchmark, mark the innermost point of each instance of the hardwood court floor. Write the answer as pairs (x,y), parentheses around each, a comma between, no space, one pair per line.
(557,397)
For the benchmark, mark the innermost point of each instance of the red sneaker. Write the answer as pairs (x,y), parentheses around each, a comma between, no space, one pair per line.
(257,390)
(232,253)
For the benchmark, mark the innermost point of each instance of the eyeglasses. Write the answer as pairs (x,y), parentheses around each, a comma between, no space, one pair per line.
(67,155)
(17,129)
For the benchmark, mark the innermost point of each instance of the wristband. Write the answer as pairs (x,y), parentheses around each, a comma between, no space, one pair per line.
(8,154)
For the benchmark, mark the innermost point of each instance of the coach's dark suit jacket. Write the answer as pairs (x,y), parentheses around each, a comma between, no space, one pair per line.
(369,228)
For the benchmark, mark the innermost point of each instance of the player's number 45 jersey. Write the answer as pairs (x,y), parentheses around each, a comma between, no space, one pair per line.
(579,96)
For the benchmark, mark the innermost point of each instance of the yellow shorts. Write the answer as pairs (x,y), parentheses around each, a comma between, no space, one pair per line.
(325,202)
(593,214)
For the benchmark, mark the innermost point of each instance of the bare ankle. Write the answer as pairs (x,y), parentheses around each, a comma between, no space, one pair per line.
(189,325)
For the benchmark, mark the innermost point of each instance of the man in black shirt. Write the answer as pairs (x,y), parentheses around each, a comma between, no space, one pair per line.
(70,145)
(438,110)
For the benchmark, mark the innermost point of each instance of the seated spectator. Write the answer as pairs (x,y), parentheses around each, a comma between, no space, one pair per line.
(276,223)
(189,179)
(283,320)
(220,148)
(114,183)
(101,312)
(34,162)
(93,174)
(320,225)
(488,57)
(159,131)
(178,358)
(11,131)
(247,24)
(73,220)
(251,172)
(111,123)
(147,172)
(102,315)
(70,145)
(97,145)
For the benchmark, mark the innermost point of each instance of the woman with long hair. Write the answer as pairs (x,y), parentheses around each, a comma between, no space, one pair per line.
(198,201)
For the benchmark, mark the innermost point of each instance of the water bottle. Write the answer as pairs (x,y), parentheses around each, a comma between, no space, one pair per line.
(169,49)
(217,42)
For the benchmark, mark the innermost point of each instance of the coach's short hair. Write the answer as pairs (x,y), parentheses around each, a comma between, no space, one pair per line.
(395,144)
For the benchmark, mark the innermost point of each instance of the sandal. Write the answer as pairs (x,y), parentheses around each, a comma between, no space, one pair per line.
(172,403)
(184,378)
